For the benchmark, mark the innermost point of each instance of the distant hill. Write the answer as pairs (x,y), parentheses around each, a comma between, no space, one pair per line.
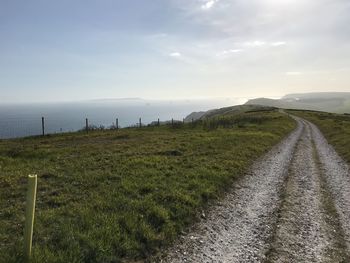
(337,102)
(226,111)
(195,116)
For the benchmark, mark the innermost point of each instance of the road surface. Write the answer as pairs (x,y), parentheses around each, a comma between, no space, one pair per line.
(293,206)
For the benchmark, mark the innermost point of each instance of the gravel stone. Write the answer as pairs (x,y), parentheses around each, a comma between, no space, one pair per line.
(277,211)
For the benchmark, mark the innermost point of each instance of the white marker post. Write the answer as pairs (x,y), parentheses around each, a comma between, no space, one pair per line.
(30,209)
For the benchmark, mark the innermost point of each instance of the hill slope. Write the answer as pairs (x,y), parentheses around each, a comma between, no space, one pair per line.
(116,196)
(227,111)
(336,102)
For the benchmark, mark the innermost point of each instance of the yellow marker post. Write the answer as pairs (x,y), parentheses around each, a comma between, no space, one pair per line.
(30,209)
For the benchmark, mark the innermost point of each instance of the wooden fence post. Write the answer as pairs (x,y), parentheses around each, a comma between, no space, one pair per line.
(172,122)
(87,124)
(140,123)
(158,122)
(29,218)
(43,125)
(117,123)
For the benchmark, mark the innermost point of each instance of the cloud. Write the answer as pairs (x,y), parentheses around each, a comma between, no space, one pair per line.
(187,59)
(293,73)
(259,43)
(255,43)
(175,54)
(277,44)
(209,4)
(229,51)
(158,35)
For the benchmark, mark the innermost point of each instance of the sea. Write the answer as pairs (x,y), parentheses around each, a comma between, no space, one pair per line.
(25,119)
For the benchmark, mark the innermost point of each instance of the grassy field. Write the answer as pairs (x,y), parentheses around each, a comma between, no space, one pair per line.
(116,196)
(335,127)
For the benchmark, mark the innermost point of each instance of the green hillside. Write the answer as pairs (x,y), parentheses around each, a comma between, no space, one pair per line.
(336,102)
(227,111)
(116,196)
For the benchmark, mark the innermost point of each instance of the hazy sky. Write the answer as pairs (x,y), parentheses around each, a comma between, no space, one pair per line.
(82,49)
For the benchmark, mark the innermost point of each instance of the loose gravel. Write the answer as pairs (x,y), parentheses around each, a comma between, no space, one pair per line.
(239,227)
(304,233)
(337,176)
(292,206)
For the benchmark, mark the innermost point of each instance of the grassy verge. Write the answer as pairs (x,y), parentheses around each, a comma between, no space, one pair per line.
(335,127)
(116,196)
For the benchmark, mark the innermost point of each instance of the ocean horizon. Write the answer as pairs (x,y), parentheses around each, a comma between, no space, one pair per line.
(21,120)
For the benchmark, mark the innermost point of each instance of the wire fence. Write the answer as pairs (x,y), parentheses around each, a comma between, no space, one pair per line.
(13,127)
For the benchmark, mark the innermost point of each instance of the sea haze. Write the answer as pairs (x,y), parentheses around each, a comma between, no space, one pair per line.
(19,120)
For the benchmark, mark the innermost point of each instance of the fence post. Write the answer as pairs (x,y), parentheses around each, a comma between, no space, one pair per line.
(172,122)
(43,125)
(158,122)
(87,125)
(29,218)
(140,123)
(117,123)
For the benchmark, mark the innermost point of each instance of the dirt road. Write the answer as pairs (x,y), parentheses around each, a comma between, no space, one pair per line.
(293,206)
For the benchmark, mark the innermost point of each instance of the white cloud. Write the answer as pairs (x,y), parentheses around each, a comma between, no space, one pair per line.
(259,43)
(277,44)
(293,73)
(255,43)
(175,54)
(229,51)
(209,4)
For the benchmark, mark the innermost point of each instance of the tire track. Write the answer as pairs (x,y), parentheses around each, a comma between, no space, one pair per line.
(293,206)
(305,232)
(240,227)
(337,177)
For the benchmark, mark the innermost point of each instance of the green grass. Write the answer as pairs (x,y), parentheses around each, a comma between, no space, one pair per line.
(335,127)
(116,196)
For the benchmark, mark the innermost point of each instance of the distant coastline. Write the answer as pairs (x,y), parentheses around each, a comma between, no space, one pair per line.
(20,120)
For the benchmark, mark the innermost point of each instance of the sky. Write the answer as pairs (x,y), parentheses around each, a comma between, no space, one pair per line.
(70,50)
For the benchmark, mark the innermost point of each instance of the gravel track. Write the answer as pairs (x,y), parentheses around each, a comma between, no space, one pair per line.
(304,233)
(293,206)
(337,176)
(239,227)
